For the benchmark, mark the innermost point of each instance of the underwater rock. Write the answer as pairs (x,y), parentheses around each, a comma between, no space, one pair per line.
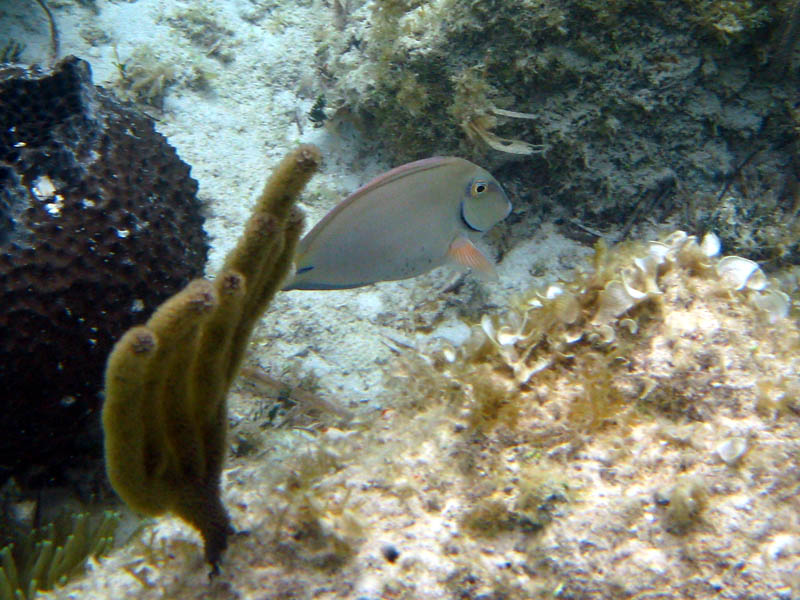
(99,224)
(601,105)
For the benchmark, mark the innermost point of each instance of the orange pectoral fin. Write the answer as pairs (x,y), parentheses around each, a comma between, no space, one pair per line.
(462,252)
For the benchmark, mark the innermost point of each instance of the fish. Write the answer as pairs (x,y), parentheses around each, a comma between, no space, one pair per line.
(402,224)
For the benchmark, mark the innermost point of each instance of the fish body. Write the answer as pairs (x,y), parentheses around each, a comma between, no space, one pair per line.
(403,223)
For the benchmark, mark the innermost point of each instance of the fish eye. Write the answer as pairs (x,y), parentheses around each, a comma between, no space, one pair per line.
(479,186)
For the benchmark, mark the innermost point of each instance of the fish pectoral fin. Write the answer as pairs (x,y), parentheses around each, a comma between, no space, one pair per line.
(462,252)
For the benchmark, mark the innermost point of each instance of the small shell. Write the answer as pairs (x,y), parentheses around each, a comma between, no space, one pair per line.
(757,281)
(487,325)
(534,302)
(730,451)
(568,308)
(775,303)
(636,295)
(710,246)
(572,337)
(629,324)
(676,239)
(645,264)
(449,352)
(736,272)
(553,291)
(658,251)
(605,334)
(613,301)
(648,267)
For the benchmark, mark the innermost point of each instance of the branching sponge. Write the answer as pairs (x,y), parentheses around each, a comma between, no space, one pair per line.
(164,416)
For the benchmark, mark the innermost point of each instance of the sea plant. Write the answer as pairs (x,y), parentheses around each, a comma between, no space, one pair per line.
(46,557)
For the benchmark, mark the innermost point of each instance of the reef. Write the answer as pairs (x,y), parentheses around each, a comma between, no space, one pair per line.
(165,416)
(99,224)
(604,111)
(629,429)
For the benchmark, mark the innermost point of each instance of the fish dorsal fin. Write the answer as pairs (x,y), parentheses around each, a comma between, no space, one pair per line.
(402,171)
(464,253)
(397,173)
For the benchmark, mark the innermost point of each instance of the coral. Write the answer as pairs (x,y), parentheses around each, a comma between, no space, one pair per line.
(47,557)
(666,337)
(728,20)
(320,531)
(588,325)
(99,224)
(528,509)
(165,415)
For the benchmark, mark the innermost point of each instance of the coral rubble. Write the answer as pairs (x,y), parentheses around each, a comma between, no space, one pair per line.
(165,415)
(99,223)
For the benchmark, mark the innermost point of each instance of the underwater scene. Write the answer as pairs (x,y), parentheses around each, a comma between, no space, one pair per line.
(400,299)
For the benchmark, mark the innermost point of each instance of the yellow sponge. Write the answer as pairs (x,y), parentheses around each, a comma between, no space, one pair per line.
(164,416)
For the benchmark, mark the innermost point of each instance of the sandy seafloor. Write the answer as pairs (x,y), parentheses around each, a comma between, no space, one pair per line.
(255,110)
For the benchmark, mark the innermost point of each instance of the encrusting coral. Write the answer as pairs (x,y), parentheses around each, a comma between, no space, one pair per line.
(164,416)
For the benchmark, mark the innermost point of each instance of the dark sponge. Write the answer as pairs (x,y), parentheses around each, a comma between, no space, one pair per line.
(99,223)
